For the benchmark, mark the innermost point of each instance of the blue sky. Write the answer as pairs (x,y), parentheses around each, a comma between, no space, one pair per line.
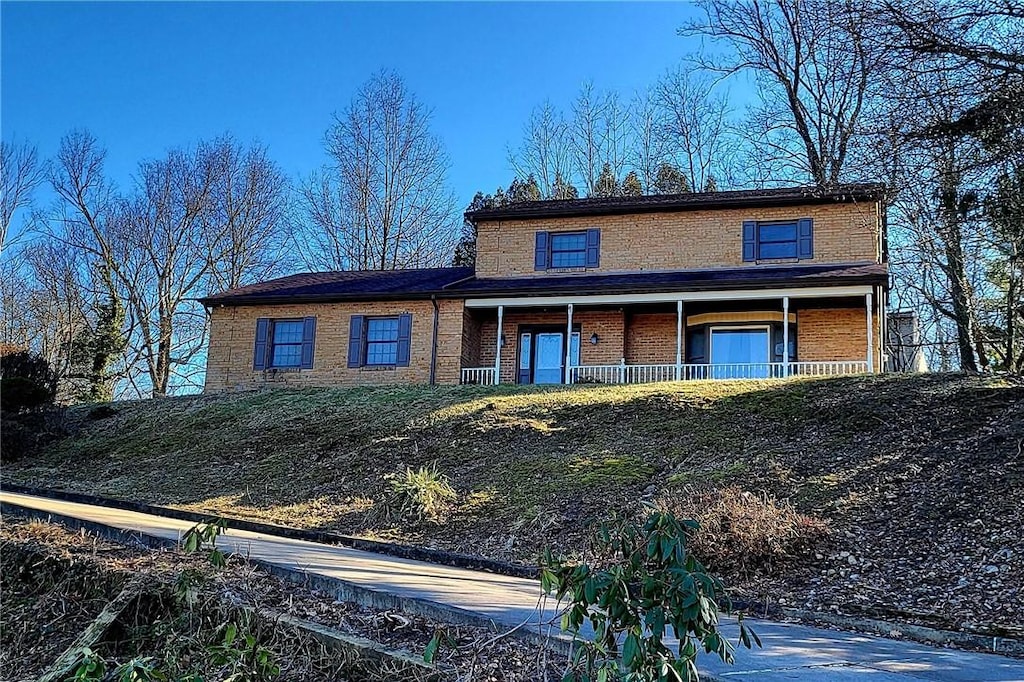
(144,77)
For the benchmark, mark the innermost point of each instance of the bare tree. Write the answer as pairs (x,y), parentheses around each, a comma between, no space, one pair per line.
(251,200)
(20,174)
(647,147)
(815,62)
(546,150)
(694,126)
(197,220)
(384,203)
(586,133)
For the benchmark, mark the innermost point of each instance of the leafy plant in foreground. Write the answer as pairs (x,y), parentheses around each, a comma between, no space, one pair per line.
(645,585)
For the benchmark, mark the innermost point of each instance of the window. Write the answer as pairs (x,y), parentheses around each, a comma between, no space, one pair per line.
(286,343)
(778,240)
(381,340)
(569,250)
(557,250)
(740,352)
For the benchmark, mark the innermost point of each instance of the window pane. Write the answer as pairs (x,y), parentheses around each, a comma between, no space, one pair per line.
(286,356)
(568,259)
(288,331)
(777,250)
(524,351)
(568,242)
(574,349)
(785,232)
(569,250)
(382,329)
(739,346)
(381,353)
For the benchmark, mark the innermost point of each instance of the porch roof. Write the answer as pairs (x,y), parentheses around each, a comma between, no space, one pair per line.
(723,279)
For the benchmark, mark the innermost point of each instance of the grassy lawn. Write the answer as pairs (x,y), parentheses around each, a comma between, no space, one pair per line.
(891,459)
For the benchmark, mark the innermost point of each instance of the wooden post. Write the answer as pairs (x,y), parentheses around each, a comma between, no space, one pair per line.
(497,351)
(679,339)
(871,325)
(785,336)
(568,346)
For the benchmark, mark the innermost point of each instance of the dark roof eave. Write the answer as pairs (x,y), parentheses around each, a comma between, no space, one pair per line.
(559,209)
(662,288)
(213,302)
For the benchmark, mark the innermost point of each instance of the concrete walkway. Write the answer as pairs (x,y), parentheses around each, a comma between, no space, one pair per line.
(791,652)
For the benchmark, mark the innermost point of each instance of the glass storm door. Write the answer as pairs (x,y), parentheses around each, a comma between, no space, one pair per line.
(550,354)
(740,353)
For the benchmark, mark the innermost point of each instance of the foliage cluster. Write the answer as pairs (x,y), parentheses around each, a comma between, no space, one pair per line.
(642,586)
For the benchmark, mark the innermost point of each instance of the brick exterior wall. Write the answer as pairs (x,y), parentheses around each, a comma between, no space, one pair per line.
(836,334)
(607,324)
(233,330)
(843,233)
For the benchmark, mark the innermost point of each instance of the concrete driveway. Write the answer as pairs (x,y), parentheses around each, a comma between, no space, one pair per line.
(791,651)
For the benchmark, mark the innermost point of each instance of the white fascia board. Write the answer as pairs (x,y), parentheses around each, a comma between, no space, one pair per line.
(669,297)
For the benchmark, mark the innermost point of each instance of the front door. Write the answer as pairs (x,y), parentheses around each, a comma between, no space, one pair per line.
(548,358)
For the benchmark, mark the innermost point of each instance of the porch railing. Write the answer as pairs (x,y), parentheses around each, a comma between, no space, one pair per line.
(483,376)
(645,374)
(642,374)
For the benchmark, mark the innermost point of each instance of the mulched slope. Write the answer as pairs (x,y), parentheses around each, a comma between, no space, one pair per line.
(921,479)
(78,561)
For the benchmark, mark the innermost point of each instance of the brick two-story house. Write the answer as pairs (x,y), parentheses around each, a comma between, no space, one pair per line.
(746,284)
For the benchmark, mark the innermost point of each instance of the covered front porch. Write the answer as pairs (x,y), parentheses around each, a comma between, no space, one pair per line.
(652,337)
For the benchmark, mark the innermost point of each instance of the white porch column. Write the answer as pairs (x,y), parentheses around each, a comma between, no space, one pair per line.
(497,343)
(568,346)
(679,339)
(785,336)
(871,326)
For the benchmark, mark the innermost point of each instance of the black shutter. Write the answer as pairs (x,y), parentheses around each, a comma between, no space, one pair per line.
(749,240)
(593,247)
(260,360)
(404,339)
(355,341)
(540,251)
(805,238)
(308,336)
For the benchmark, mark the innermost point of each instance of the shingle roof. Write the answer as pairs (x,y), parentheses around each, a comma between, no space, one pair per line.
(678,280)
(366,285)
(784,196)
(460,283)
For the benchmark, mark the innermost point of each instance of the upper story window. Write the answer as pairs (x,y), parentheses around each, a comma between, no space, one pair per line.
(778,240)
(379,341)
(284,343)
(561,250)
(569,250)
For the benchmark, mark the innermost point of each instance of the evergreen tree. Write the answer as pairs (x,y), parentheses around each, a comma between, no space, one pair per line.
(563,190)
(93,350)
(523,190)
(670,180)
(631,186)
(607,184)
(711,185)
(465,250)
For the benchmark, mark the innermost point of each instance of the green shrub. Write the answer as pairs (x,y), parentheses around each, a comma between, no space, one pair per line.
(423,493)
(643,582)
(26,382)
(25,433)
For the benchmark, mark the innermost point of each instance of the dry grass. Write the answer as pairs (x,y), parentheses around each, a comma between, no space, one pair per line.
(892,464)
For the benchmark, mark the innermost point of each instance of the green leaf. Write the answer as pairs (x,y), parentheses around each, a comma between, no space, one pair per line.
(430,652)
